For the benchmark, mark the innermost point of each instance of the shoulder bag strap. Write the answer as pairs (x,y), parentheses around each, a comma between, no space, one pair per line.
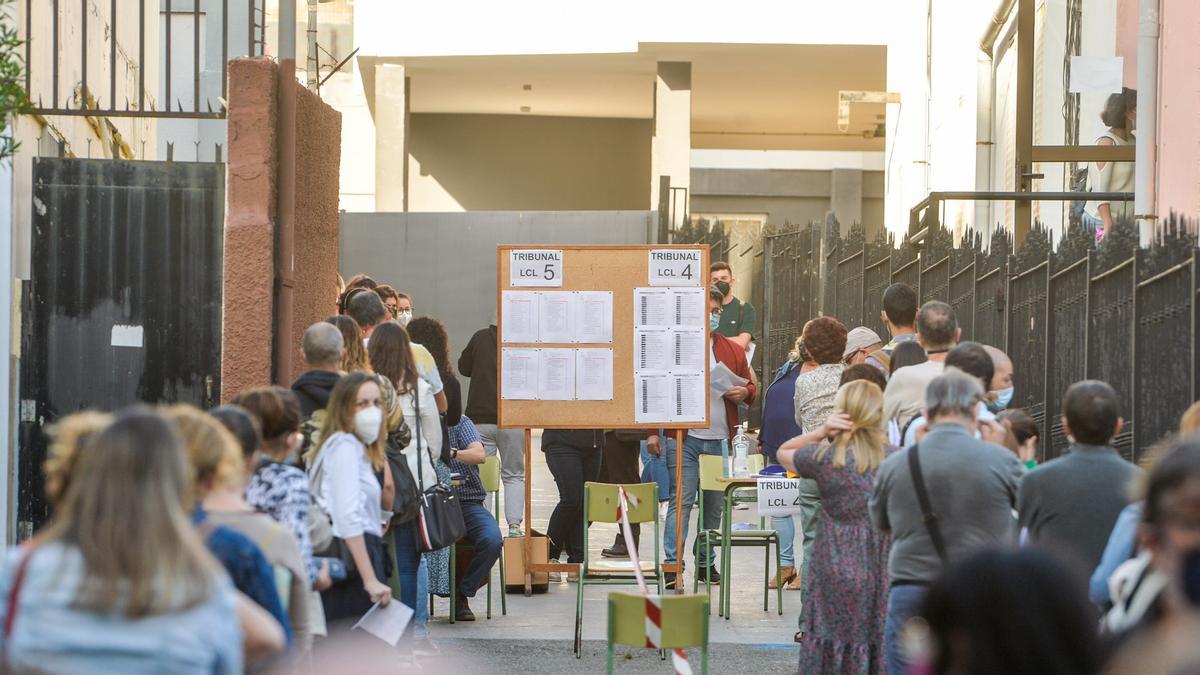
(927,514)
(416,396)
(14,593)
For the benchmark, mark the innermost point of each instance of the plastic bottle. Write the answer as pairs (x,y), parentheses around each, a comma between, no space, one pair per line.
(741,451)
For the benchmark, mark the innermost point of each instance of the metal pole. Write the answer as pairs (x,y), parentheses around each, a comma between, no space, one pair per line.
(285,260)
(83,53)
(680,544)
(112,58)
(196,57)
(167,18)
(1023,219)
(313,62)
(1144,204)
(141,56)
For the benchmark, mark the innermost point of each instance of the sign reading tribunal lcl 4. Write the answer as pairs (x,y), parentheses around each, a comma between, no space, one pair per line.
(676,267)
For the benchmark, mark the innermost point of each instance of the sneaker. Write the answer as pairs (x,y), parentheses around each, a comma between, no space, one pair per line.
(462,609)
(425,647)
(669,581)
(713,575)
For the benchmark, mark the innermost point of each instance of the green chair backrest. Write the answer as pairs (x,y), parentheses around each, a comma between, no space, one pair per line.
(684,620)
(711,468)
(602,500)
(489,473)
(283,584)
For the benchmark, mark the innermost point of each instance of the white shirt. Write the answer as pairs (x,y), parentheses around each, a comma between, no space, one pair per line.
(349,491)
(718,427)
(910,437)
(431,434)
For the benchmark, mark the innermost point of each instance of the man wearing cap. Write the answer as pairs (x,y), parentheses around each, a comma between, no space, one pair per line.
(864,346)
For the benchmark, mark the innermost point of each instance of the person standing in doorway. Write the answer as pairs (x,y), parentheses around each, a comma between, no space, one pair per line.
(723,420)
(478,362)
(737,316)
(899,315)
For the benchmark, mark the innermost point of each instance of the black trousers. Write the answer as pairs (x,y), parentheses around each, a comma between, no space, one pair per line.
(571,468)
(621,467)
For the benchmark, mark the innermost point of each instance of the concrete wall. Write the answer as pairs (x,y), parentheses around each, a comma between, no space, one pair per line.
(447,261)
(784,195)
(513,162)
(248,335)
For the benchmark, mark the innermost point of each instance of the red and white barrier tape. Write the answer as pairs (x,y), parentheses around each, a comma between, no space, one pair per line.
(653,602)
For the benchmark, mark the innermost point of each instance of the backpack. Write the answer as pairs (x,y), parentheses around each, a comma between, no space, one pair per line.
(407,500)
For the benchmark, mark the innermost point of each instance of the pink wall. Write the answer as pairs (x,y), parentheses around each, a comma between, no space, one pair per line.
(249,269)
(1179,109)
(1127,38)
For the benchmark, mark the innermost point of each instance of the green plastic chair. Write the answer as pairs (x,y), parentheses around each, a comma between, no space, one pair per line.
(489,477)
(600,502)
(684,623)
(712,468)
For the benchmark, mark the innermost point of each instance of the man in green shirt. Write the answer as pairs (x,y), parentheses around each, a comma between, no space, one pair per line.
(737,317)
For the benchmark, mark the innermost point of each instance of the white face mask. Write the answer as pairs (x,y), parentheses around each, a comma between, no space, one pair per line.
(367,423)
(404,317)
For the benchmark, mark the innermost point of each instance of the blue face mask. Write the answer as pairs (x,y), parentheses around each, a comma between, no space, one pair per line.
(714,320)
(1003,398)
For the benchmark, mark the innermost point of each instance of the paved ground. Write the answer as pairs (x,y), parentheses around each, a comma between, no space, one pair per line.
(535,636)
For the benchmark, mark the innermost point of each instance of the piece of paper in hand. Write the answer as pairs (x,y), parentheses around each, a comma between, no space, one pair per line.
(721,379)
(386,623)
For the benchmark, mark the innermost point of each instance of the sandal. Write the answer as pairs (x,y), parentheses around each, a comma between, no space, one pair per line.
(783,576)
(794,584)
(798,637)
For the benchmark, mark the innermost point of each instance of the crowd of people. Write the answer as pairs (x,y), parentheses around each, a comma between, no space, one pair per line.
(933,539)
(250,536)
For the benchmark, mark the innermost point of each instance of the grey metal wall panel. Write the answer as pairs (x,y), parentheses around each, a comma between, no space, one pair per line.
(447,261)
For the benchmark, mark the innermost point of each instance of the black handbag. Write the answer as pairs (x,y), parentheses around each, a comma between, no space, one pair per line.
(439,517)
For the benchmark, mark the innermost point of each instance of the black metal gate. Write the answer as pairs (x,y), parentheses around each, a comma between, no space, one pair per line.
(124,303)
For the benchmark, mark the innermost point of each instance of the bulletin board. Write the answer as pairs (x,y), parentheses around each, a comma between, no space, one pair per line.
(616,269)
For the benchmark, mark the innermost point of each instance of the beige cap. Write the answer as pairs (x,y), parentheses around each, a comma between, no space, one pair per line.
(860,338)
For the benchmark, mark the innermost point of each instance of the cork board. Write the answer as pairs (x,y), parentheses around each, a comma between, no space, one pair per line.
(618,269)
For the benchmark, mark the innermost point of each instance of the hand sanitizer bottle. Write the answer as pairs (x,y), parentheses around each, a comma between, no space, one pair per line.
(741,451)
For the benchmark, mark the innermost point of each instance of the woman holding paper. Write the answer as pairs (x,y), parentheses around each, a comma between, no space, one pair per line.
(845,600)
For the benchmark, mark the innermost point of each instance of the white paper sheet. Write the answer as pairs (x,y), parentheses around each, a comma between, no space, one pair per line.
(594,321)
(652,399)
(556,316)
(750,353)
(690,404)
(386,623)
(688,350)
(689,307)
(1097,74)
(651,350)
(721,379)
(556,374)
(594,374)
(651,307)
(519,316)
(519,374)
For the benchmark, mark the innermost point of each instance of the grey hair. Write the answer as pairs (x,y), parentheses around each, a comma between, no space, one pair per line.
(952,393)
(322,344)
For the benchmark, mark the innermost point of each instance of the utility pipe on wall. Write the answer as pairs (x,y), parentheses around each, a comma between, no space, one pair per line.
(285,210)
(1145,198)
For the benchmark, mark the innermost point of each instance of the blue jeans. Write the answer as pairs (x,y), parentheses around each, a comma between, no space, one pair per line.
(902,605)
(408,565)
(654,469)
(713,501)
(483,532)
(785,527)
(421,615)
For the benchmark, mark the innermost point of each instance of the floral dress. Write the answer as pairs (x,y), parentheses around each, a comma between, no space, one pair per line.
(845,597)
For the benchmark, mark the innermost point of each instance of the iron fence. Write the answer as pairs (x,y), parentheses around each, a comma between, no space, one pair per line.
(1076,310)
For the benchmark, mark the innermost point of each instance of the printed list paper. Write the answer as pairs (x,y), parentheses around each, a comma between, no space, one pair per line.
(593,374)
(556,374)
(519,374)
(519,316)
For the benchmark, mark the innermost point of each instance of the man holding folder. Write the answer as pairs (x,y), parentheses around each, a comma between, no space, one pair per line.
(730,385)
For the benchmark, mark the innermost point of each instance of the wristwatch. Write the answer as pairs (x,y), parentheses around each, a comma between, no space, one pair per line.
(453,453)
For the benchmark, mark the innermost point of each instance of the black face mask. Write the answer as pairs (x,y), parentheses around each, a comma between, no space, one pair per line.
(723,287)
(1191,577)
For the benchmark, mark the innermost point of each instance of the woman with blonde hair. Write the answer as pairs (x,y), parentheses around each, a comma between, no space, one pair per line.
(207,444)
(355,356)
(344,482)
(69,435)
(845,601)
(120,581)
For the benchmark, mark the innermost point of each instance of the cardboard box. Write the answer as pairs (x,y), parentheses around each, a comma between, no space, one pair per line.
(514,563)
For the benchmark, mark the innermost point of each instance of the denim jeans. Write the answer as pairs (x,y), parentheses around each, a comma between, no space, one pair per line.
(510,445)
(421,611)
(408,565)
(654,469)
(484,534)
(1094,224)
(902,605)
(713,501)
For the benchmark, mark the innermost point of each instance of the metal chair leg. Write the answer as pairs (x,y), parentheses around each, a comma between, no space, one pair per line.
(778,586)
(767,574)
(453,584)
(579,617)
